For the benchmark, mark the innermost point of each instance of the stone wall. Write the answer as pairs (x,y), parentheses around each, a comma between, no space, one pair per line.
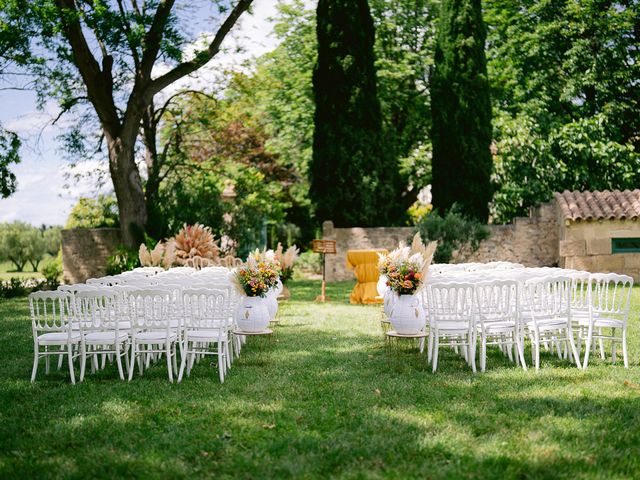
(85,252)
(586,245)
(358,238)
(531,241)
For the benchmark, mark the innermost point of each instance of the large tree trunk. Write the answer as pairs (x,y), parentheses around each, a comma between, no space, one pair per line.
(128,187)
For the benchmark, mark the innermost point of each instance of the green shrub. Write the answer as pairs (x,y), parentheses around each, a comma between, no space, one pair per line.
(122,260)
(52,271)
(453,231)
(308,263)
(14,287)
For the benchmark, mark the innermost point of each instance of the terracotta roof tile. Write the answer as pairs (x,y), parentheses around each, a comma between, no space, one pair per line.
(605,205)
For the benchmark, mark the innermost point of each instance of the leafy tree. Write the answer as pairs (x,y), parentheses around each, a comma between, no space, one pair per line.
(102,55)
(353,179)
(35,247)
(461,111)
(405,44)
(53,239)
(9,154)
(15,241)
(100,212)
(565,88)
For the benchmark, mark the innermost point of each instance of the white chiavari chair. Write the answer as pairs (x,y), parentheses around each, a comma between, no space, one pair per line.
(51,327)
(610,299)
(206,328)
(151,329)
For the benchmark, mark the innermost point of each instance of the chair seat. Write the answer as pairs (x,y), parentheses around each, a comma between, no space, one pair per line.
(548,323)
(155,337)
(602,322)
(204,335)
(452,327)
(505,326)
(109,338)
(58,338)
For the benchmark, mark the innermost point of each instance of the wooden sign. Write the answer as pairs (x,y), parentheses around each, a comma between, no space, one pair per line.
(323,247)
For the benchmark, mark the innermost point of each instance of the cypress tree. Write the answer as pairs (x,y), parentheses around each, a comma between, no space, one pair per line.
(461,111)
(354,181)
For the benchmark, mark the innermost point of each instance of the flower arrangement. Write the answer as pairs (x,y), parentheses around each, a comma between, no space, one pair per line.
(259,274)
(195,241)
(287,259)
(406,267)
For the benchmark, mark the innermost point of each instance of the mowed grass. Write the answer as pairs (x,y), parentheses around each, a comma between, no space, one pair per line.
(321,401)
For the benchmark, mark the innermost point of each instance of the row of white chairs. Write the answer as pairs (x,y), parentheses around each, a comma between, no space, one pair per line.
(554,312)
(138,317)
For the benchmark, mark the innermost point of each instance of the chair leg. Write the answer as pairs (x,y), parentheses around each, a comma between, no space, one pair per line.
(71,370)
(601,344)
(472,351)
(132,362)
(587,348)
(520,347)
(119,360)
(83,361)
(221,361)
(436,347)
(34,371)
(625,357)
(574,350)
(61,357)
(483,352)
(46,360)
(168,351)
(183,360)
(174,359)
(536,351)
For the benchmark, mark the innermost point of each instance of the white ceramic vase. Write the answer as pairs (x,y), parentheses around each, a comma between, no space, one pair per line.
(407,315)
(279,287)
(272,302)
(389,299)
(253,314)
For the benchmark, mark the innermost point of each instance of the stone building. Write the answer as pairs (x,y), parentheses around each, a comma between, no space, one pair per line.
(600,231)
(593,231)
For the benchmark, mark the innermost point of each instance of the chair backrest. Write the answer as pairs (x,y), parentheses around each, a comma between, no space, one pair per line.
(149,308)
(108,280)
(198,262)
(451,301)
(78,287)
(50,311)
(611,294)
(548,297)
(97,310)
(580,293)
(206,308)
(497,300)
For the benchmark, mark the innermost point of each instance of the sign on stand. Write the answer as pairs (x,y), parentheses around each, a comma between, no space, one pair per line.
(324,247)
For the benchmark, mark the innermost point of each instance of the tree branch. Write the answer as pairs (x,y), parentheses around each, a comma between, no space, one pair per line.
(153,38)
(98,83)
(202,57)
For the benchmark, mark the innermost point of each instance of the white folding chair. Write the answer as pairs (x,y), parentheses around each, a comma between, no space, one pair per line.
(610,299)
(151,330)
(98,314)
(547,317)
(451,311)
(498,322)
(51,320)
(206,325)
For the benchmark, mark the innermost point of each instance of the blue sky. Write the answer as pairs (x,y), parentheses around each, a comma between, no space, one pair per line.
(41,196)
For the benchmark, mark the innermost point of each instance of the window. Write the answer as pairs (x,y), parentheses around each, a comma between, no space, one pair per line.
(625,245)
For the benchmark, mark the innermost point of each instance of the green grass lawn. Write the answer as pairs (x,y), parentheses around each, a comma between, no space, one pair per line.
(321,401)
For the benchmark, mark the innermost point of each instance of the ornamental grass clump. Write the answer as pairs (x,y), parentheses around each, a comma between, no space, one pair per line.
(287,260)
(195,241)
(162,255)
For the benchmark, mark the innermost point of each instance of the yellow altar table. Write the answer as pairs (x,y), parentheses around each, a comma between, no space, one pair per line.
(365,266)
